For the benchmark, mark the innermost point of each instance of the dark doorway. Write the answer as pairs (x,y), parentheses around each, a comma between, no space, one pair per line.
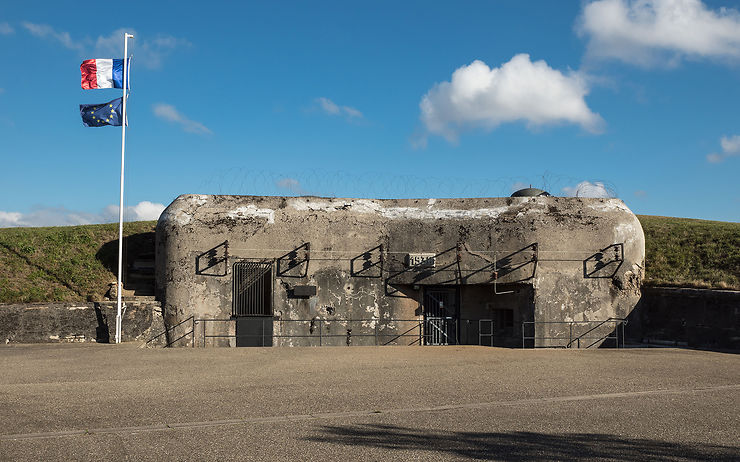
(440,316)
(252,300)
(494,317)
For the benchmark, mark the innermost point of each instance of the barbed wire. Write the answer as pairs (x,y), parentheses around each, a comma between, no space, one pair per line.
(382,185)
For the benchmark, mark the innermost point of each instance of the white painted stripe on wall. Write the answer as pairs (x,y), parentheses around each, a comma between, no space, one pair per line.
(104,73)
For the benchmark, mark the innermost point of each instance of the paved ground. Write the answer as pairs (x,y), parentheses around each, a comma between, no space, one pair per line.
(71,402)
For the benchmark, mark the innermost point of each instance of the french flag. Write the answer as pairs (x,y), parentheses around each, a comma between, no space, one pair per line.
(102,73)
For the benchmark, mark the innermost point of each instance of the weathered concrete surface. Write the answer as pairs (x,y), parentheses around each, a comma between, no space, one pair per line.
(78,322)
(689,317)
(118,402)
(573,259)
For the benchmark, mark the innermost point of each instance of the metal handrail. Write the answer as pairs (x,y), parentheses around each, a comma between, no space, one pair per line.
(618,322)
(381,338)
(168,329)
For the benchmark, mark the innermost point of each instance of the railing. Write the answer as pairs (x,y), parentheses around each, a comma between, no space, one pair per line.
(167,330)
(318,332)
(482,334)
(575,339)
(204,321)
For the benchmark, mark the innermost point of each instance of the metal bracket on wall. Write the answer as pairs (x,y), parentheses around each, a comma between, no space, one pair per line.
(294,264)
(495,282)
(368,264)
(533,260)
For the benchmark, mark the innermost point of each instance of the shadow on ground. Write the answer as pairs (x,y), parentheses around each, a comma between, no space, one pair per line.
(521,445)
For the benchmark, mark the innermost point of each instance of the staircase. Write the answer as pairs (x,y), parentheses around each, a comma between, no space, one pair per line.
(139,279)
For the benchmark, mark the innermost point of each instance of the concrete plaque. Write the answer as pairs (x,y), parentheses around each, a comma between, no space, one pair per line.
(421,260)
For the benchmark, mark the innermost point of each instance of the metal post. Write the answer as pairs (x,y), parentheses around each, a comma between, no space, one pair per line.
(376,334)
(120,206)
(319,331)
(192,342)
(523,334)
(204,333)
(570,335)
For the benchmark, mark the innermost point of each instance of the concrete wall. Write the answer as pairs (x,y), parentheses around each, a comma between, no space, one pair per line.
(565,259)
(77,322)
(686,317)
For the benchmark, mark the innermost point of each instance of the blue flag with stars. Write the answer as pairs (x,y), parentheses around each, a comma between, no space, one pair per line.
(97,115)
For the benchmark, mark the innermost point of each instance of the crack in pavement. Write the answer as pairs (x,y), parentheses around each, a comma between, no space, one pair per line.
(360,413)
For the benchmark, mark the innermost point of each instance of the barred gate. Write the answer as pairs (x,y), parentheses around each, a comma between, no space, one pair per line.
(252,290)
(252,303)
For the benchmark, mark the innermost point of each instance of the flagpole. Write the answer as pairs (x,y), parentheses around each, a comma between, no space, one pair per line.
(120,205)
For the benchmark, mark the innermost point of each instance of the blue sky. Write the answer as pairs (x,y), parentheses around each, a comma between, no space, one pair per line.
(380,99)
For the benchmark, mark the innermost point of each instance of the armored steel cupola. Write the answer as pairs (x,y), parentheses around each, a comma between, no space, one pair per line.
(530,192)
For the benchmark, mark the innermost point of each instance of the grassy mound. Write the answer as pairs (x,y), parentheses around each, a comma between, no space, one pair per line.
(65,263)
(691,253)
(76,263)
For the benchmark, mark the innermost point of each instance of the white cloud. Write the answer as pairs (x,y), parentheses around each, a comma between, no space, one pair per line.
(331,108)
(730,144)
(148,52)
(6,29)
(730,148)
(292,185)
(8,219)
(351,112)
(519,90)
(715,158)
(171,114)
(650,32)
(587,189)
(47,32)
(61,216)
(143,211)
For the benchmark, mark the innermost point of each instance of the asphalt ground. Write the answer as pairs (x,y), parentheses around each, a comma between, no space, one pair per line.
(121,402)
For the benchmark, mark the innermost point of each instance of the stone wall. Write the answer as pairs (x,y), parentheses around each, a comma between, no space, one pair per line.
(78,322)
(686,317)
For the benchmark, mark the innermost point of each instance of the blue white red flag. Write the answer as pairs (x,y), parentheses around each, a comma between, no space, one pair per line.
(102,73)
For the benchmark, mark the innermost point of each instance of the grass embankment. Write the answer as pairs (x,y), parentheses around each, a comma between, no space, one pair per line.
(76,263)
(68,263)
(683,252)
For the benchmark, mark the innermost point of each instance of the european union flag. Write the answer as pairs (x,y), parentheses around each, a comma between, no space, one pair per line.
(97,115)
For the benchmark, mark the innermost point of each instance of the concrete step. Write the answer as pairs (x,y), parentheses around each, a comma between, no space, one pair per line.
(138,298)
(140,276)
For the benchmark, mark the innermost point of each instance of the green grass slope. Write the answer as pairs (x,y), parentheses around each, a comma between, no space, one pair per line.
(76,263)
(65,263)
(691,253)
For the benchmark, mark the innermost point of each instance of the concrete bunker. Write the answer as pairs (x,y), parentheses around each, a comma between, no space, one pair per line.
(304,271)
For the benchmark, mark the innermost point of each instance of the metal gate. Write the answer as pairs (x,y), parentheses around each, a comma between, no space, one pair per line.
(252,289)
(440,314)
(252,303)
